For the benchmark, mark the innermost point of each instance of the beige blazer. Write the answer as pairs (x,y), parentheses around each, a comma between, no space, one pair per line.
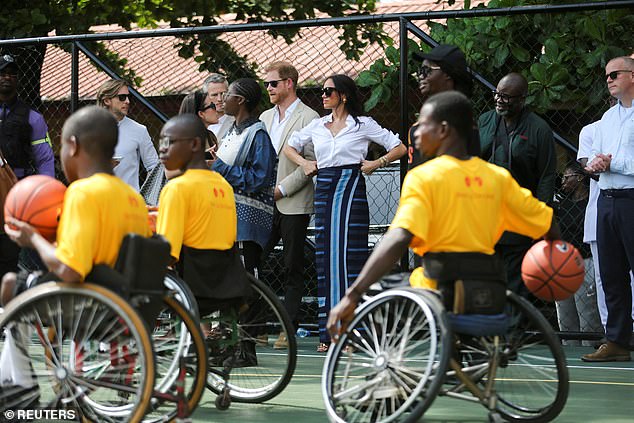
(298,187)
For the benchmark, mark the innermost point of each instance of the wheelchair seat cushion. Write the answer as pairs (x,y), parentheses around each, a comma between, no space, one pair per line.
(479,324)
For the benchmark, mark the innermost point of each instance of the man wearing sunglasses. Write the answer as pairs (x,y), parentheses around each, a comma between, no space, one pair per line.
(24,142)
(444,68)
(134,145)
(612,158)
(517,139)
(293,189)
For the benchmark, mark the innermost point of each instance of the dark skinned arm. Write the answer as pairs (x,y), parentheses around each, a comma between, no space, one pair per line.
(387,252)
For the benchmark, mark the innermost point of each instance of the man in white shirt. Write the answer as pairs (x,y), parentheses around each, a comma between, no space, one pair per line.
(612,158)
(294,190)
(216,86)
(134,142)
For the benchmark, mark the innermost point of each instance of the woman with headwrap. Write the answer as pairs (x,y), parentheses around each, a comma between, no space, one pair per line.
(246,159)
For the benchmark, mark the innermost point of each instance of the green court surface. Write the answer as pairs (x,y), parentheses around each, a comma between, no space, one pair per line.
(598,393)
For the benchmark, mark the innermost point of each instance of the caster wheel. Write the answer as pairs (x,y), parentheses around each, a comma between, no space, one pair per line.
(223,401)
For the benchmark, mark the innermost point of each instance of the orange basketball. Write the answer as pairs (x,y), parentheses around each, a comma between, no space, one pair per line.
(553,270)
(37,200)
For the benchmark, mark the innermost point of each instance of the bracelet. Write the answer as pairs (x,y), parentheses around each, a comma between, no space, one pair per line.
(384,161)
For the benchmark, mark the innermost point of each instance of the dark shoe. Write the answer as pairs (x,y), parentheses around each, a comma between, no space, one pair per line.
(608,352)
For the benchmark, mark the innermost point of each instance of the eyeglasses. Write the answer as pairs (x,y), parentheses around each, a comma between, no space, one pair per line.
(166,142)
(424,71)
(327,91)
(209,106)
(615,74)
(232,95)
(123,97)
(273,83)
(505,98)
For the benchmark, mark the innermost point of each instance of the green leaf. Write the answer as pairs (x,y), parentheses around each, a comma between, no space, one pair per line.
(379,93)
(500,55)
(551,49)
(520,53)
(368,79)
(539,71)
(393,55)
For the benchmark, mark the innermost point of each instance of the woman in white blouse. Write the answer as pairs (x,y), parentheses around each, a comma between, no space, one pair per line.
(341,141)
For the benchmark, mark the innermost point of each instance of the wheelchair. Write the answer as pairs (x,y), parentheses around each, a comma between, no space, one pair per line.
(403,349)
(135,355)
(243,365)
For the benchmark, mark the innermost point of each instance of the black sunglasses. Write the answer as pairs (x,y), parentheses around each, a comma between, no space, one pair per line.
(327,91)
(209,106)
(123,97)
(615,74)
(273,83)
(424,71)
(504,97)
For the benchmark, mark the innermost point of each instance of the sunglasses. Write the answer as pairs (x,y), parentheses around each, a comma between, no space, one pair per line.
(123,97)
(209,106)
(425,71)
(273,83)
(615,74)
(504,97)
(327,91)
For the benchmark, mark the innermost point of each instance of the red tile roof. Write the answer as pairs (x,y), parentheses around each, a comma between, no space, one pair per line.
(315,52)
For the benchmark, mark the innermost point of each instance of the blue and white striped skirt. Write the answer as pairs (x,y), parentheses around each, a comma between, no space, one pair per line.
(341,223)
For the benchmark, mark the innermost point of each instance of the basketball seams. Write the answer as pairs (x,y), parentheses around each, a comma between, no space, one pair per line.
(53,203)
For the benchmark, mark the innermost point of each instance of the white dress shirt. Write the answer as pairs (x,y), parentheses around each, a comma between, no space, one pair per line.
(134,143)
(349,146)
(278,126)
(615,135)
(215,127)
(585,151)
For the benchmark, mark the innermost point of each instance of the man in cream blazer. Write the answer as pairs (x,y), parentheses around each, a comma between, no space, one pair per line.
(293,189)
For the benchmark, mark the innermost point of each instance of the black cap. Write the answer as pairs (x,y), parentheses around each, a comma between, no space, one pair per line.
(6,61)
(450,59)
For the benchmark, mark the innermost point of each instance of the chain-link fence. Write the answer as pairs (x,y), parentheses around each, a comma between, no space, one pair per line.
(59,74)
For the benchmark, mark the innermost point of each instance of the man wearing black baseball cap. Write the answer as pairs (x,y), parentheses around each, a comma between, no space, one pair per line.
(443,68)
(24,142)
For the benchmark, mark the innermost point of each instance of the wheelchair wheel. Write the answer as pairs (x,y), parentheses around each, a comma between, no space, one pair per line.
(255,372)
(80,347)
(532,377)
(177,339)
(182,293)
(390,364)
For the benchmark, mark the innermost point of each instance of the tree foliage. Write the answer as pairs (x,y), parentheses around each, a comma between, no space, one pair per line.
(562,55)
(38,18)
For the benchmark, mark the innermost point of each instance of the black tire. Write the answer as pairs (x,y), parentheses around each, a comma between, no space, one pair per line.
(390,364)
(264,314)
(81,340)
(177,336)
(532,379)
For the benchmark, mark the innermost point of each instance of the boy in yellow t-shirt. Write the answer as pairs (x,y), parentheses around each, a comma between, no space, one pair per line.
(453,203)
(99,209)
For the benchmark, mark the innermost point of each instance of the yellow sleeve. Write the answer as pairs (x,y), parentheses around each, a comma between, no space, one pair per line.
(171,218)
(414,210)
(76,242)
(523,213)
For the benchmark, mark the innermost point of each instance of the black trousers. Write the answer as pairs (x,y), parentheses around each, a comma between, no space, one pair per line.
(291,229)
(9,252)
(615,242)
(512,255)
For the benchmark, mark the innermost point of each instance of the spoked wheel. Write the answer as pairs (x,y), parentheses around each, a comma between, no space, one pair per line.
(532,377)
(390,363)
(177,340)
(257,371)
(77,346)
